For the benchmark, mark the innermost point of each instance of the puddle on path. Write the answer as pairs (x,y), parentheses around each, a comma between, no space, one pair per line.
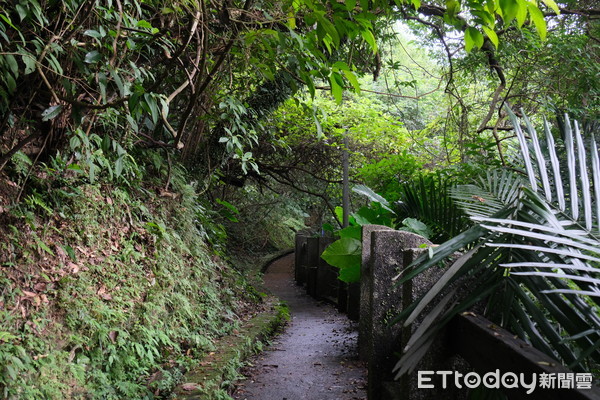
(316,358)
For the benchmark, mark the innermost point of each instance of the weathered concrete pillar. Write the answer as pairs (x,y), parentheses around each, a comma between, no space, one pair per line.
(353,307)
(387,259)
(312,264)
(326,274)
(365,321)
(300,258)
(439,356)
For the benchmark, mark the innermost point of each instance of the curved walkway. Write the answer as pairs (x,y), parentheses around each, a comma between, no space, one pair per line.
(315,358)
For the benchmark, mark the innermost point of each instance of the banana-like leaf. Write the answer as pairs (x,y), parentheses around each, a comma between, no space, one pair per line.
(371,195)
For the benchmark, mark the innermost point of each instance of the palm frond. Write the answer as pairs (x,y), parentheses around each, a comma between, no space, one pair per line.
(428,200)
(535,243)
(494,192)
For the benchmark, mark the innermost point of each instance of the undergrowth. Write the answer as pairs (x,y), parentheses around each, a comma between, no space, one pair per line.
(109,291)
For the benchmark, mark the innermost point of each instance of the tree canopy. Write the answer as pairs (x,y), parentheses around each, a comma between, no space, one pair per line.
(198,76)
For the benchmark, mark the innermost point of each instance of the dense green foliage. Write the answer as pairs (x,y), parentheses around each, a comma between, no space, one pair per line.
(112,254)
(110,292)
(531,256)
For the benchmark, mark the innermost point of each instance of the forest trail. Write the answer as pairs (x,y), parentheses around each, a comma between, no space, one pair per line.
(315,358)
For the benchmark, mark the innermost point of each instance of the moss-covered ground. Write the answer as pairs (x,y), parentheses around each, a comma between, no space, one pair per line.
(110,291)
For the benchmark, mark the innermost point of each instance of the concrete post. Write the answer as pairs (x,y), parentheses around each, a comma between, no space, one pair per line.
(365,321)
(326,274)
(300,259)
(312,264)
(387,260)
(353,307)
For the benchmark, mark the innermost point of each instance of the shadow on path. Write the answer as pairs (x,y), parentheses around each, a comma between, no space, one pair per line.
(315,358)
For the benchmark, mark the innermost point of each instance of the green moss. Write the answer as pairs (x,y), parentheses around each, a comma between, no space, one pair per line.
(209,379)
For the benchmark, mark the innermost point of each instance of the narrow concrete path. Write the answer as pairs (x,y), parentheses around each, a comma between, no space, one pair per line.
(315,358)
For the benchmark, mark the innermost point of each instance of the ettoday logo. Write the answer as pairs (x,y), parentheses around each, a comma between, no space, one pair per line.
(507,380)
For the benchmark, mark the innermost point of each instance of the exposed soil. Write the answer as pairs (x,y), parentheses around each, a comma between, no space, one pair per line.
(315,358)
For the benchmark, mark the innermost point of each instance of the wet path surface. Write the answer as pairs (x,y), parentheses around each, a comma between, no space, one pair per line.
(315,358)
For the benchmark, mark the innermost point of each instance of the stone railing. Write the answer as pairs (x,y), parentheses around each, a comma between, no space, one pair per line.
(469,343)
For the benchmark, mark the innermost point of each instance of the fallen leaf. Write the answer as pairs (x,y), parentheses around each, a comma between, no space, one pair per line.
(29,294)
(102,293)
(73,267)
(106,296)
(189,386)
(60,252)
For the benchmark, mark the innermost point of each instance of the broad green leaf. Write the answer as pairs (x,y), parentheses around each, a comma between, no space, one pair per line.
(415,226)
(22,11)
(118,166)
(118,82)
(10,83)
(552,5)
(11,61)
(371,195)
(328,228)
(491,34)
(93,33)
(368,36)
(228,205)
(344,253)
(352,79)
(336,88)
(452,7)
(521,16)
(330,29)
(342,66)
(29,62)
(353,232)
(152,106)
(55,64)
(291,21)
(92,57)
(144,24)
(538,20)
(509,9)
(350,274)
(51,112)
(376,215)
(473,38)
(339,213)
